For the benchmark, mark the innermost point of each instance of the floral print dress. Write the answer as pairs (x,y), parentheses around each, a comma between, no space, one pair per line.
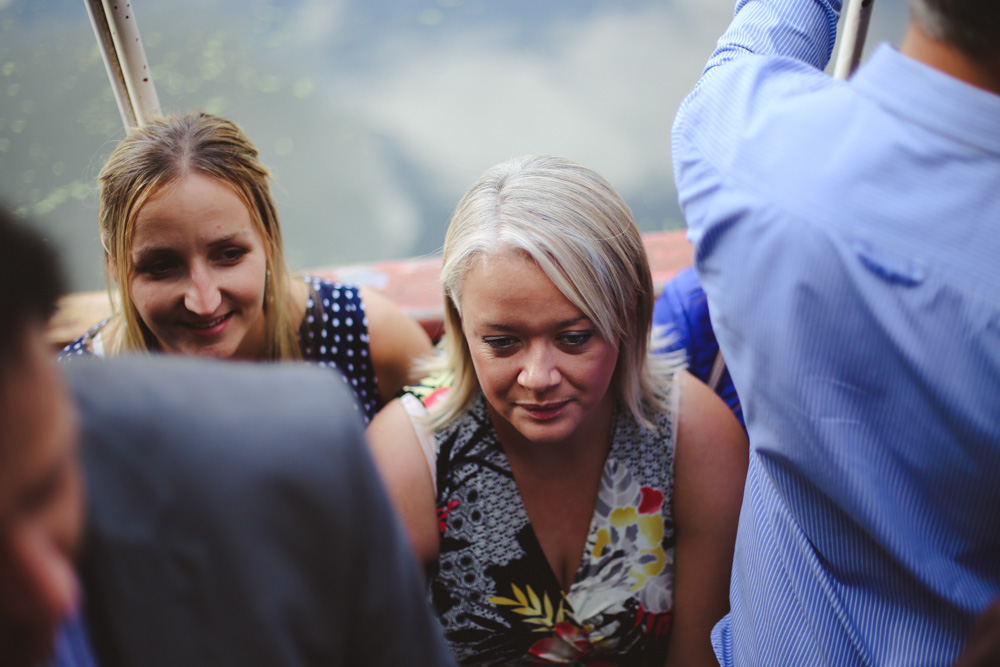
(498,599)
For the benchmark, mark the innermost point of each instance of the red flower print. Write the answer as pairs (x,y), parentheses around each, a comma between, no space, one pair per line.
(652,500)
(656,624)
(435,396)
(443,513)
(567,643)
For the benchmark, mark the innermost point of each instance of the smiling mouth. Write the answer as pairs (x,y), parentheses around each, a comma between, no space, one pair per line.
(208,326)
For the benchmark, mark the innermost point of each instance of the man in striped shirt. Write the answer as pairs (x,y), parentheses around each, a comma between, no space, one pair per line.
(847,234)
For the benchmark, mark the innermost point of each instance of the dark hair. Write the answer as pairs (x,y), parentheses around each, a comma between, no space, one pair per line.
(972,26)
(30,280)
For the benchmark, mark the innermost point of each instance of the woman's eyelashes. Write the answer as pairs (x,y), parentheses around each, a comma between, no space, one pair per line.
(500,344)
(156,267)
(569,340)
(231,255)
(575,339)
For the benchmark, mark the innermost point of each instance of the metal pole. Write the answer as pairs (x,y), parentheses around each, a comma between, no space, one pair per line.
(118,37)
(132,59)
(106,43)
(852,38)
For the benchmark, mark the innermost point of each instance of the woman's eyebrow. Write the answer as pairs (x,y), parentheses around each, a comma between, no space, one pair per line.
(222,240)
(559,325)
(227,238)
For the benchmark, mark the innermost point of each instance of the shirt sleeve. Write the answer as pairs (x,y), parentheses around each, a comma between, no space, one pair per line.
(772,51)
(801,29)
(737,159)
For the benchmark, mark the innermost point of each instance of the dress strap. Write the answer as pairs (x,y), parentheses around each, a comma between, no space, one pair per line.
(417,413)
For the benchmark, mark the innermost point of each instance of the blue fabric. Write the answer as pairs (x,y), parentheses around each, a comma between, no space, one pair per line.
(847,235)
(72,647)
(334,334)
(681,312)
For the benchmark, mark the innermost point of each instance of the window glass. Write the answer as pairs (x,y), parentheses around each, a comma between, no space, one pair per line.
(374,115)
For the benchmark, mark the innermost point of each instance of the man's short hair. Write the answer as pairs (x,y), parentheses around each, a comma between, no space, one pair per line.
(973,26)
(30,281)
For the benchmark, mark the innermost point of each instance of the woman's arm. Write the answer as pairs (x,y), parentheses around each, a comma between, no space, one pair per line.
(710,465)
(400,460)
(395,341)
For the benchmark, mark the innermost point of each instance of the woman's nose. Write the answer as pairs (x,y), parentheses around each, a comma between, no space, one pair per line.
(202,296)
(539,371)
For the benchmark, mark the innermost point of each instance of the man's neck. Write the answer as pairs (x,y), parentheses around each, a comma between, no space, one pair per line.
(942,56)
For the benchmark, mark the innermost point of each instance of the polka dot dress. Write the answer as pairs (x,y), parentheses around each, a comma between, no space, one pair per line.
(89,344)
(334,334)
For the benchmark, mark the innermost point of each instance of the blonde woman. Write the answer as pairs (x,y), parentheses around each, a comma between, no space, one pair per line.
(573,498)
(196,265)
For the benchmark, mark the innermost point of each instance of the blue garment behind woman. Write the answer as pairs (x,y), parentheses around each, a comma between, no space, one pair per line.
(683,308)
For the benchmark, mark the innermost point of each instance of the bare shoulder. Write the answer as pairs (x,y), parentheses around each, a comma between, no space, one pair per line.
(400,459)
(395,341)
(392,429)
(707,430)
(710,465)
(710,460)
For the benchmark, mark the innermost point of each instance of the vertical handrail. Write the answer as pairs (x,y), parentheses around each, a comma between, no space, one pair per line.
(106,43)
(125,60)
(852,37)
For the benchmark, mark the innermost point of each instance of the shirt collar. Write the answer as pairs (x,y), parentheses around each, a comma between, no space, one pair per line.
(931,98)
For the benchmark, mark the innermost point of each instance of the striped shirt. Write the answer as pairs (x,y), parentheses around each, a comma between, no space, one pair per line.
(847,234)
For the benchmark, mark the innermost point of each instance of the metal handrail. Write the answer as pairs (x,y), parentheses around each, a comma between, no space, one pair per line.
(125,60)
(852,38)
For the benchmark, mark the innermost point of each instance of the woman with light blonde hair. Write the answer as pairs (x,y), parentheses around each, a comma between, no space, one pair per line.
(196,266)
(573,498)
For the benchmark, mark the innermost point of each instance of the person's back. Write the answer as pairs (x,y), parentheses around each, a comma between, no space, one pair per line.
(223,532)
(847,233)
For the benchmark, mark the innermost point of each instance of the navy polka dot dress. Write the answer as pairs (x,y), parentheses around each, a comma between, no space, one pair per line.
(334,334)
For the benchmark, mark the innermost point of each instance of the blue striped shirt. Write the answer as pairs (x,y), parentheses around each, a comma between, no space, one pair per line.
(848,237)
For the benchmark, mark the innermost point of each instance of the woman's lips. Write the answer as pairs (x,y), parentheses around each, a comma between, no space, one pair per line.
(544,411)
(208,328)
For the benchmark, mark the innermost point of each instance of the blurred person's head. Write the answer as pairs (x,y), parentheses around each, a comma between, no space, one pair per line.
(193,243)
(41,500)
(972,26)
(565,220)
